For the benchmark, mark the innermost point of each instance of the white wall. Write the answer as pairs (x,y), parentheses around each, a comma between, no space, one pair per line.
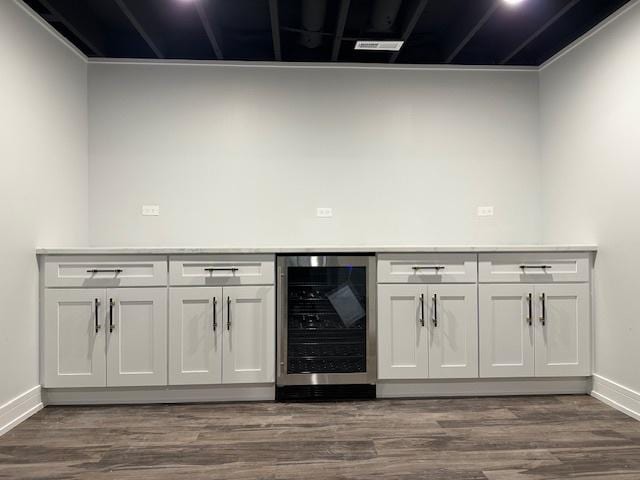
(590,117)
(244,155)
(43,178)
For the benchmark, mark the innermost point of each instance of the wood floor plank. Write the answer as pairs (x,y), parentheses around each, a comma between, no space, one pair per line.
(502,438)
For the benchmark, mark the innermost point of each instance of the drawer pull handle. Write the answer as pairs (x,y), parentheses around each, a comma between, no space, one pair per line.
(542,267)
(228,313)
(96,307)
(111,325)
(543,317)
(220,269)
(215,306)
(428,267)
(530,309)
(435,309)
(422,309)
(105,270)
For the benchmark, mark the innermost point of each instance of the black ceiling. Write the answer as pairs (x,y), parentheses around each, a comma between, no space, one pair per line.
(462,32)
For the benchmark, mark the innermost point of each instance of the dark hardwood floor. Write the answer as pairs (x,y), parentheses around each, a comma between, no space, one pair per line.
(532,438)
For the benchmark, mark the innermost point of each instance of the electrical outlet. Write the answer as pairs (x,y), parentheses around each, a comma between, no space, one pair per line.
(151,210)
(485,211)
(324,212)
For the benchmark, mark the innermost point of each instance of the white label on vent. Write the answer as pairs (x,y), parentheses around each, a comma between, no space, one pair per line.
(392,46)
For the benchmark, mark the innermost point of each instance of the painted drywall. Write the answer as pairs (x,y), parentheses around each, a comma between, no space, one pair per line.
(242,155)
(43,178)
(590,101)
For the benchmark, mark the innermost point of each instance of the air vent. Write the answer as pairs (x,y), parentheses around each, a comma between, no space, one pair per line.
(392,46)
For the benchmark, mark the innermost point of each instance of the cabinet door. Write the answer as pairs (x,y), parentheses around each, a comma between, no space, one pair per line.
(402,332)
(195,339)
(453,325)
(248,334)
(563,346)
(136,336)
(74,338)
(506,331)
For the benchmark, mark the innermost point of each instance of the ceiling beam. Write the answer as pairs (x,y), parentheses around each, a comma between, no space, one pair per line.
(472,33)
(71,16)
(342,21)
(206,24)
(141,31)
(409,26)
(275,29)
(540,31)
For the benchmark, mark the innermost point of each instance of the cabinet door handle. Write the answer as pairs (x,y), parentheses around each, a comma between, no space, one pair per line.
(96,306)
(111,325)
(435,309)
(228,313)
(530,309)
(422,309)
(105,270)
(221,269)
(543,303)
(428,267)
(543,267)
(215,306)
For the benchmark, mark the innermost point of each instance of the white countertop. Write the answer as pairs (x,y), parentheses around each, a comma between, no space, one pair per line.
(315,249)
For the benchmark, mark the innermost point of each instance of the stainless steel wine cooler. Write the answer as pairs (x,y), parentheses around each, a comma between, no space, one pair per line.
(326,326)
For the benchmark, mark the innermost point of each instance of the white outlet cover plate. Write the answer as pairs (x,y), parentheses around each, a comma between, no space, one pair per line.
(324,212)
(485,211)
(151,210)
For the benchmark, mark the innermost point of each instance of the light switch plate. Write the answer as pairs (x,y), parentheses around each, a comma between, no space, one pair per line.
(324,212)
(485,211)
(151,210)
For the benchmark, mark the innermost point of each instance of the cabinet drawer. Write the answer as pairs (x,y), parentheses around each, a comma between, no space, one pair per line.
(105,271)
(221,270)
(427,268)
(533,267)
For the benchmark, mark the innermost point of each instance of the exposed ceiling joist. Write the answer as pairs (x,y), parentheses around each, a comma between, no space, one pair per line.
(410,25)
(342,21)
(472,33)
(71,16)
(275,29)
(540,31)
(139,28)
(208,28)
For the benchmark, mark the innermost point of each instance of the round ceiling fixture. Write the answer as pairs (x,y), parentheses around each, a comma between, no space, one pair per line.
(513,2)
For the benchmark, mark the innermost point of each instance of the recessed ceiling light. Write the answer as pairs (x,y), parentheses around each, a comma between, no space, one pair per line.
(513,2)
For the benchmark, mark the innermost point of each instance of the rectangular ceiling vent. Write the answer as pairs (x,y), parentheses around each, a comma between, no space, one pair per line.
(392,46)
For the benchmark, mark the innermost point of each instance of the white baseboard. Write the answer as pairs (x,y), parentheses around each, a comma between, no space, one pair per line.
(168,394)
(20,408)
(482,387)
(617,396)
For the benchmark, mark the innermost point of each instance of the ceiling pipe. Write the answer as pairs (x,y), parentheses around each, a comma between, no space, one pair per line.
(384,14)
(313,15)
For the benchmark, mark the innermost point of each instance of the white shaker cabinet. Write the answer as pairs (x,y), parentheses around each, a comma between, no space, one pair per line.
(427,331)
(136,336)
(195,335)
(74,338)
(562,333)
(96,337)
(248,320)
(402,332)
(506,330)
(453,331)
(535,330)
